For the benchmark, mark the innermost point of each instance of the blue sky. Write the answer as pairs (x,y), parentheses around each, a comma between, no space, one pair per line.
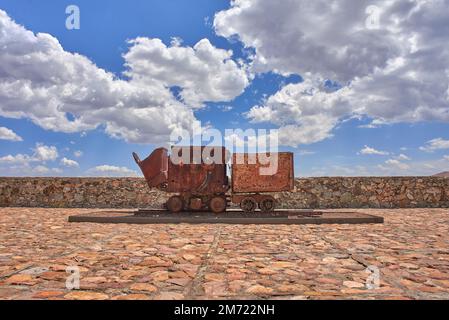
(400,142)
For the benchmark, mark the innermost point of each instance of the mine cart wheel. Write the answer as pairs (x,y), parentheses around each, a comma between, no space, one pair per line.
(218,204)
(267,205)
(175,204)
(248,205)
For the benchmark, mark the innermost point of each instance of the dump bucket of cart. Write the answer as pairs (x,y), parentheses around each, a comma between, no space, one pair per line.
(154,168)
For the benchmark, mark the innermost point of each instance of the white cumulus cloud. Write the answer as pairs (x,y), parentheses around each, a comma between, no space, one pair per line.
(45,153)
(403,157)
(41,153)
(371,151)
(396,164)
(304,113)
(320,37)
(435,144)
(396,72)
(66,92)
(30,164)
(8,134)
(16,159)
(112,171)
(204,72)
(41,170)
(69,163)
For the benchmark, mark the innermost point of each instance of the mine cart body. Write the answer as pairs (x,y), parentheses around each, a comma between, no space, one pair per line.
(200,182)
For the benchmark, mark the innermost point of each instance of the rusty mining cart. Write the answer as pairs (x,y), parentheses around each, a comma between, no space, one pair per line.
(202,184)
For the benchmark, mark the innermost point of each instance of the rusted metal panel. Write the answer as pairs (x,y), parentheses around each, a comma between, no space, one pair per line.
(199,154)
(155,167)
(199,175)
(248,169)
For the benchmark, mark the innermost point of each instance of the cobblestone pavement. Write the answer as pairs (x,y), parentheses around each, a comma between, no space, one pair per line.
(410,252)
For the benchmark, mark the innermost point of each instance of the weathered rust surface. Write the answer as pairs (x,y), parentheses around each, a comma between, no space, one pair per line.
(218,204)
(154,168)
(186,170)
(175,204)
(247,177)
(198,177)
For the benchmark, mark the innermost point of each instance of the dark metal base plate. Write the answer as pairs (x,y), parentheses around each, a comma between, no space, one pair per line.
(287,217)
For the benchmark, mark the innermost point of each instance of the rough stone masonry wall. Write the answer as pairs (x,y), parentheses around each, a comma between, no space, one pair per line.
(387,192)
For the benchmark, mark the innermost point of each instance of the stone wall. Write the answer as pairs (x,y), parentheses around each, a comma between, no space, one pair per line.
(386,192)
(370,192)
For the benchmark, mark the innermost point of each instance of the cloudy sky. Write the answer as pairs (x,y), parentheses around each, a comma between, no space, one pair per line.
(354,87)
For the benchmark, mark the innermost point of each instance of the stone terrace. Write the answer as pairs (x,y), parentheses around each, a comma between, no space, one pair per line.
(411,251)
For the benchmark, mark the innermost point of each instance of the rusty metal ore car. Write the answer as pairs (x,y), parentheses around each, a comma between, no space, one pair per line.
(198,178)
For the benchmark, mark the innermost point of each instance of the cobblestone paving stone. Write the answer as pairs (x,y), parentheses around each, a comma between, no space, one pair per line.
(411,252)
